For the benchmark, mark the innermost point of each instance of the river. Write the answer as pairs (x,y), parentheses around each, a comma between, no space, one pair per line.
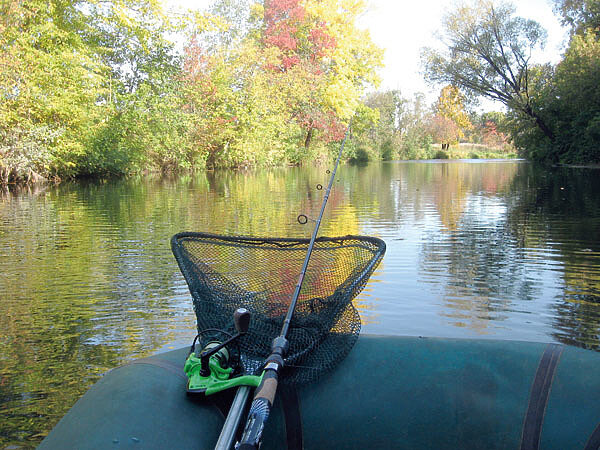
(475,249)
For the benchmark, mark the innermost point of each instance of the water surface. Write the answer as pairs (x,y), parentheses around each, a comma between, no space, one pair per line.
(476,249)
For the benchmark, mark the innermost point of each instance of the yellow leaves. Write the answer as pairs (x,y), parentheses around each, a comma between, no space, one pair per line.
(366,117)
(257,11)
(203,22)
(122,15)
(353,61)
(341,96)
(335,12)
(450,105)
(272,56)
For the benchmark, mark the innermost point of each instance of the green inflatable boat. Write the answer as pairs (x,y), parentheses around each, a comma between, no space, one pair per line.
(388,393)
(337,391)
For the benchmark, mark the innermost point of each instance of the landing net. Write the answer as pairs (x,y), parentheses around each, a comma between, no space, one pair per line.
(228,272)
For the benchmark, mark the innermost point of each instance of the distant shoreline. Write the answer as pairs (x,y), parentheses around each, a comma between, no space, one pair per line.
(579,166)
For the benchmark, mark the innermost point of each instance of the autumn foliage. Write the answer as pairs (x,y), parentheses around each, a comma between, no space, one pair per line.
(492,137)
(92,88)
(284,90)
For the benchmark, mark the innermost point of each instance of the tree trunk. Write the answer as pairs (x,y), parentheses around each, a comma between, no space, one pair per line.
(308,138)
(211,159)
(540,123)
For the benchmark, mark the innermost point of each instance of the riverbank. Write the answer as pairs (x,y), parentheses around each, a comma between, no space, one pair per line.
(461,151)
(479,151)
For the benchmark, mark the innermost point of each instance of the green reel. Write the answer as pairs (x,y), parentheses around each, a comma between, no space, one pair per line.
(210,372)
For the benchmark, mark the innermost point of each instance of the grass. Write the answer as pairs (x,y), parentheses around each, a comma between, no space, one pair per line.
(474,151)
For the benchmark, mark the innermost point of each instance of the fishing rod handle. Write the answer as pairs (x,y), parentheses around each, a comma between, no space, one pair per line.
(264,397)
(259,411)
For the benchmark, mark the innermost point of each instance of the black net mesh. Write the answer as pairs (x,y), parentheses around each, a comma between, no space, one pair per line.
(226,273)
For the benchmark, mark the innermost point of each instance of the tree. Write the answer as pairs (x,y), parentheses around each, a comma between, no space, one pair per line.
(574,101)
(327,60)
(285,85)
(79,81)
(237,116)
(354,59)
(580,15)
(416,135)
(493,137)
(400,126)
(49,83)
(488,53)
(379,132)
(92,87)
(303,47)
(444,130)
(450,108)
(490,129)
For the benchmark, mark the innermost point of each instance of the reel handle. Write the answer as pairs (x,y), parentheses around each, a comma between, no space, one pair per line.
(241,320)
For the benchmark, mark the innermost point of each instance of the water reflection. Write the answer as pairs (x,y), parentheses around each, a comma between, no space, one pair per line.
(560,212)
(87,280)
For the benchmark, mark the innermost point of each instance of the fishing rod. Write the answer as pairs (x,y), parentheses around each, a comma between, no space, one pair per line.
(265,392)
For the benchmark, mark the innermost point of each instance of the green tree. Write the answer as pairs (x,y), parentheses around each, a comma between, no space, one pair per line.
(237,116)
(579,15)
(571,105)
(567,94)
(72,73)
(575,101)
(144,126)
(49,84)
(385,133)
(416,137)
(488,53)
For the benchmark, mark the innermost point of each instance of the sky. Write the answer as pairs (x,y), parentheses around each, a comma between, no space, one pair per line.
(402,28)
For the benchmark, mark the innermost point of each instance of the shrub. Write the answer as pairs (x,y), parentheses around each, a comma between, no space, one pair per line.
(387,150)
(361,155)
(25,153)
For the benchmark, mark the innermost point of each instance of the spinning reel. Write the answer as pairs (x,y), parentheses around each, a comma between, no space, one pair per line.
(214,369)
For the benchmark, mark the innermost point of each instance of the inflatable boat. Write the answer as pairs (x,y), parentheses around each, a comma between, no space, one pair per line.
(388,393)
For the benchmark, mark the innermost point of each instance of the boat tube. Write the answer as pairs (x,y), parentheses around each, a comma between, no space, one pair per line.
(390,392)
